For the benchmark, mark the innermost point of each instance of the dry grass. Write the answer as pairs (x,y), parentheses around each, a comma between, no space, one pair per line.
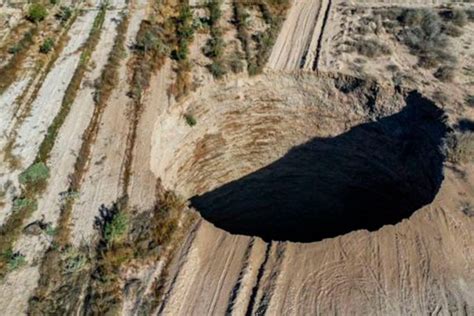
(459,147)
(11,70)
(148,234)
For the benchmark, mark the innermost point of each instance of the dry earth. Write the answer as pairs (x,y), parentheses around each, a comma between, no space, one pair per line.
(317,186)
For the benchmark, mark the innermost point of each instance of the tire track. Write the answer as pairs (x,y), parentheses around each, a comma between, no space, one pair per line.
(321,34)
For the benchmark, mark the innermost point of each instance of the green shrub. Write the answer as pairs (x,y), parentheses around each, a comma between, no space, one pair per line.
(116,228)
(47,45)
(217,69)
(63,14)
(36,173)
(36,13)
(14,260)
(73,260)
(214,47)
(190,120)
(21,203)
(215,13)
(184,33)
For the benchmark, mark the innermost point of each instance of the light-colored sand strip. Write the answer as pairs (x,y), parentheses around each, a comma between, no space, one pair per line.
(311,62)
(61,163)
(102,182)
(7,104)
(142,180)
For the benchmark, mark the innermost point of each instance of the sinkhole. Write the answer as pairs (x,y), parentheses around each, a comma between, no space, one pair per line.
(305,162)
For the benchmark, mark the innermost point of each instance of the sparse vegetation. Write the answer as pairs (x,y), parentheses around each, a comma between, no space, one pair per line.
(74,264)
(37,12)
(184,33)
(151,48)
(215,46)
(459,147)
(273,12)
(426,33)
(149,235)
(19,50)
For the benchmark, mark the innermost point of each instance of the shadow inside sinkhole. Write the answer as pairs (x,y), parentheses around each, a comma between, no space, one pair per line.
(375,174)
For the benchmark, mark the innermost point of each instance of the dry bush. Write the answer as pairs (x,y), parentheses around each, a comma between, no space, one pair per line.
(372,48)
(425,33)
(445,73)
(459,147)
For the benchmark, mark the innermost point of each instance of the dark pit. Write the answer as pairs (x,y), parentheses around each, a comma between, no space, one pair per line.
(374,174)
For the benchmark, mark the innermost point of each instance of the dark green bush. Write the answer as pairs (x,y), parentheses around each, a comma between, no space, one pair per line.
(47,45)
(214,47)
(184,33)
(190,120)
(36,13)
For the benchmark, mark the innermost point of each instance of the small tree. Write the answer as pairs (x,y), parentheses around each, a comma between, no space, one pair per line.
(36,13)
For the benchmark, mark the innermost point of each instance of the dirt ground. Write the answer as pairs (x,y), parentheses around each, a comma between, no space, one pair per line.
(344,117)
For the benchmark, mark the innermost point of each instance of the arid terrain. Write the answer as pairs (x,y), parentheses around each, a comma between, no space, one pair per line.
(227,157)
